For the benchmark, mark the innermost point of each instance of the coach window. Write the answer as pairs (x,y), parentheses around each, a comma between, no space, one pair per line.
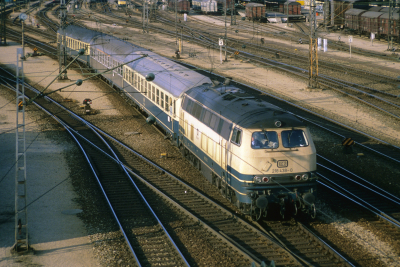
(162,100)
(158,97)
(236,136)
(142,88)
(145,88)
(166,103)
(153,97)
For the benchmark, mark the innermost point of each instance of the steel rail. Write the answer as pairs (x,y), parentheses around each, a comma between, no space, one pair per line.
(112,157)
(395,223)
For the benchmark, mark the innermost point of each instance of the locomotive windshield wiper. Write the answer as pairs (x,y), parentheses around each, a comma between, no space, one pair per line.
(290,134)
(265,134)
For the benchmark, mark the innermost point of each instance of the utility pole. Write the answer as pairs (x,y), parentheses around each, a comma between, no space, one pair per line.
(226,56)
(313,50)
(21,212)
(233,13)
(3,39)
(153,11)
(326,14)
(63,41)
(332,12)
(391,22)
(176,24)
(145,17)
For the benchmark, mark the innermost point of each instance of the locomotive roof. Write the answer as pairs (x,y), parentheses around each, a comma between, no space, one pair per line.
(371,14)
(241,108)
(169,75)
(354,11)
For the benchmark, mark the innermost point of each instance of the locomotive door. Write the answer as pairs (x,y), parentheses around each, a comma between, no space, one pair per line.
(224,174)
(223,154)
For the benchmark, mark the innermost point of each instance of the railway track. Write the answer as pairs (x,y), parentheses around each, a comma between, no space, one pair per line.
(379,99)
(364,136)
(123,195)
(346,183)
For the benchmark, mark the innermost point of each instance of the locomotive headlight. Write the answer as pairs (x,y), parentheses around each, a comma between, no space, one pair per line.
(305,177)
(257,179)
(265,179)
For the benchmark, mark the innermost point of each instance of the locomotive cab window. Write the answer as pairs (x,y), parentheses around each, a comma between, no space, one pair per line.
(236,136)
(264,140)
(294,138)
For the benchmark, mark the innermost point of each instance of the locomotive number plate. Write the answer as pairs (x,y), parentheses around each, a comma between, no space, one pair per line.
(282,170)
(282,163)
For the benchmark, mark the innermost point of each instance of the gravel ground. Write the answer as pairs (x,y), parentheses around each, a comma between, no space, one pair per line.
(358,239)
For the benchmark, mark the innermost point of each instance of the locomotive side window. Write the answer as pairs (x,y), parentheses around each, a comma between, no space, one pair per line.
(225,129)
(294,138)
(207,117)
(264,139)
(196,112)
(189,106)
(184,103)
(213,121)
(236,136)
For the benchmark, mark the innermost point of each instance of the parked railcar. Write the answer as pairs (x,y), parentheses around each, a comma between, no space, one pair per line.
(182,6)
(370,22)
(375,8)
(121,3)
(384,30)
(255,11)
(209,7)
(255,153)
(196,5)
(290,8)
(386,10)
(275,17)
(353,19)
